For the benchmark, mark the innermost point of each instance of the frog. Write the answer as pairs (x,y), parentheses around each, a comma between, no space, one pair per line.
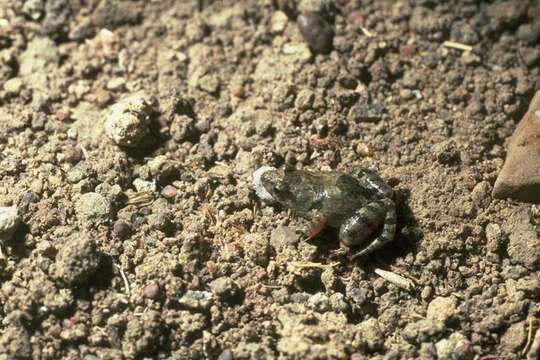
(360,205)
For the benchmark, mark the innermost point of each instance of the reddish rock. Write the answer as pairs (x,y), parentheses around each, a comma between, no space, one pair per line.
(519,178)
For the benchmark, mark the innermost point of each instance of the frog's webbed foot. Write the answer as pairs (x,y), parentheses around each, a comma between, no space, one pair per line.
(388,232)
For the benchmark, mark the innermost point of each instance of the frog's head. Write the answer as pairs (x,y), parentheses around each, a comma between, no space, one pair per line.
(269,185)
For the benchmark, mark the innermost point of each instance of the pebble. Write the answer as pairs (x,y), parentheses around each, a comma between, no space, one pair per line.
(182,128)
(13,86)
(197,300)
(519,178)
(304,100)
(279,22)
(144,186)
(494,237)
(371,334)
(73,154)
(116,84)
(441,309)
(524,244)
(76,261)
(480,194)
(128,121)
(121,229)
(283,236)
(93,207)
(151,291)
(169,192)
(9,221)
(316,31)
(256,248)
(514,337)
(422,330)
(319,302)
(224,288)
(455,347)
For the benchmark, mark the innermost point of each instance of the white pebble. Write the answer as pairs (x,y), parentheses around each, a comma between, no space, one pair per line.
(9,221)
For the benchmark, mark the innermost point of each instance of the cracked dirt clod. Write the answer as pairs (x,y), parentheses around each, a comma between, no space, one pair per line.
(127,124)
(77,261)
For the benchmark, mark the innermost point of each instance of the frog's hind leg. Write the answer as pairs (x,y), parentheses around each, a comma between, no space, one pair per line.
(362,223)
(388,232)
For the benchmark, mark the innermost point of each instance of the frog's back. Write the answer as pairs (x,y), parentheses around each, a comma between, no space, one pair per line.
(344,195)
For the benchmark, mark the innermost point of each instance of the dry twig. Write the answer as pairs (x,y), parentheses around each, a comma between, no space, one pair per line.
(395,279)
(456,45)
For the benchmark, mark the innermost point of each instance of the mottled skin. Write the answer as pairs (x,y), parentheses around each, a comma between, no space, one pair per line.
(357,205)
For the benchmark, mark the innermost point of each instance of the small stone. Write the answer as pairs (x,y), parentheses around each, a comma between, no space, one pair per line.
(283,236)
(470,58)
(13,86)
(279,22)
(329,279)
(455,347)
(116,84)
(524,244)
(426,293)
(63,116)
(197,300)
(441,309)
(209,83)
(494,237)
(72,134)
(169,192)
(406,94)
(422,330)
(9,221)
(151,291)
(34,9)
(128,121)
(519,178)
(256,248)
(304,100)
(514,337)
(480,194)
(224,288)
(371,333)
(144,186)
(102,98)
(319,302)
(316,31)
(338,304)
(226,355)
(73,154)
(182,128)
(121,229)
(93,207)
(529,32)
(76,261)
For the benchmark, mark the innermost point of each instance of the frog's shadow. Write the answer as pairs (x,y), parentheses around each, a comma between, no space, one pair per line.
(406,239)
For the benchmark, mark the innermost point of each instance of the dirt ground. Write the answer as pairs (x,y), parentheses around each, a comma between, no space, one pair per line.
(160,249)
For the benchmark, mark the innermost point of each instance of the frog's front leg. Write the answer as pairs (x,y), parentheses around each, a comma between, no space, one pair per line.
(388,232)
(317,225)
(372,180)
